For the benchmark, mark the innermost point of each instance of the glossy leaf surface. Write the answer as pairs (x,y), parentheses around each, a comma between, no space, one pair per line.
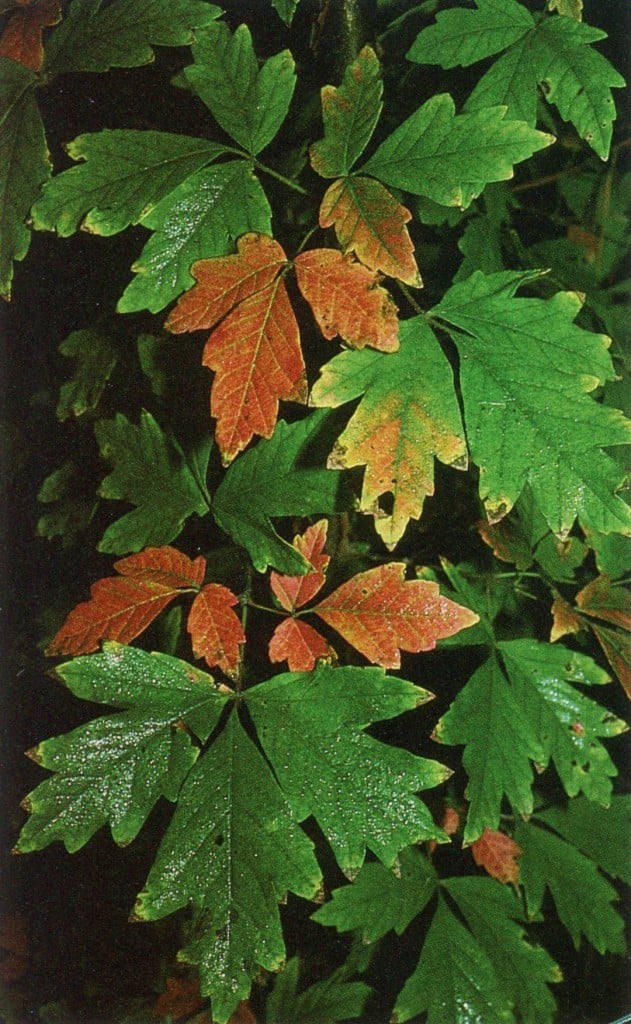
(350,113)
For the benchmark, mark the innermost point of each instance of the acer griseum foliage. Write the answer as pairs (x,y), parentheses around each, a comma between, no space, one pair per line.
(296,257)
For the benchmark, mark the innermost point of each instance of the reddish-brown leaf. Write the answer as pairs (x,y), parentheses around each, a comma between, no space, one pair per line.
(216,632)
(255,351)
(381,613)
(451,821)
(299,644)
(164,565)
(22,37)
(14,947)
(602,599)
(347,300)
(616,646)
(243,1014)
(181,997)
(564,620)
(371,223)
(294,591)
(497,853)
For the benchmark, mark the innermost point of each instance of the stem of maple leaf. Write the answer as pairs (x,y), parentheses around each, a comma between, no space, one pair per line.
(281,177)
(414,304)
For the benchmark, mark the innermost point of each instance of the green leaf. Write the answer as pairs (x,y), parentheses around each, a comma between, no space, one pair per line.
(600,833)
(381,899)
(286,9)
(523,970)
(153,473)
(233,851)
(461,37)
(454,979)
(350,113)
(250,103)
(332,998)
(201,218)
(500,742)
(408,416)
(450,157)
(310,725)
(115,768)
(24,163)
(72,510)
(569,8)
(526,371)
(97,355)
(581,895)
(272,479)
(95,38)
(509,82)
(122,177)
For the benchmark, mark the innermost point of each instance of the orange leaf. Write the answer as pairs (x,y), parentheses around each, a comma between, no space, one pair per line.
(216,631)
(255,351)
(347,300)
(299,644)
(564,620)
(496,853)
(294,591)
(451,821)
(22,37)
(164,565)
(602,600)
(381,613)
(369,222)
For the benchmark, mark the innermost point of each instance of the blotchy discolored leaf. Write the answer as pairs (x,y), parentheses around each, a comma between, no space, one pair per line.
(497,853)
(293,592)
(346,299)
(216,632)
(299,644)
(369,222)
(350,113)
(600,602)
(460,37)
(408,415)
(381,613)
(22,36)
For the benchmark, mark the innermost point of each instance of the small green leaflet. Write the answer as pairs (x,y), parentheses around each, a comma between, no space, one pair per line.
(115,768)
(581,894)
(286,9)
(602,834)
(450,157)
(232,850)
(72,509)
(152,472)
(250,103)
(461,37)
(201,218)
(95,38)
(526,372)
(350,113)
(379,900)
(332,998)
(272,479)
(311,726)
(122,177)
(96,354)
(24,163)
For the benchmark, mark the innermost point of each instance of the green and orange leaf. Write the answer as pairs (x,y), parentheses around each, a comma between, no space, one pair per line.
(299,644)
(371,223)
(216,631)
(604,602)
(22,36)
(294,591)
(497,853)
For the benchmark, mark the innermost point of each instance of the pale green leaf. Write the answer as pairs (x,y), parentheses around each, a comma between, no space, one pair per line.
(200,219)
(450,157)
(122,176)
(96,354)
(310,726)
(115,768)
(461,37)
(350,113)
(582,896)
(24,163)
(233,851)
(277,478)
(569,8)
(250,103)
(602,834)
(153,473)
(94,37)
(381,899)
(332,998)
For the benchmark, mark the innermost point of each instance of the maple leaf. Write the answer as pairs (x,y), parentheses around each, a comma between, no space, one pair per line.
(346,299)
(371,223)
(216,632)
(381,613)
(459,38)
(408,415)
(294,591)
(22,36)
(120,608)
(299,644)
(497,853)
(602,601)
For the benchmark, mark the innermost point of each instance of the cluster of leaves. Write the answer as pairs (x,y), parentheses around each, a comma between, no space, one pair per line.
(506,377)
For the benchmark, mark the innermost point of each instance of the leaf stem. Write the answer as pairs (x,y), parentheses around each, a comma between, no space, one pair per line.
(414,304)
(265,608)
(289,182)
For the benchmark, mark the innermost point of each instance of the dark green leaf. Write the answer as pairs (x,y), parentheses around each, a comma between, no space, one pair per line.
(602,834)
(332,998)
(72,509)
(96,354)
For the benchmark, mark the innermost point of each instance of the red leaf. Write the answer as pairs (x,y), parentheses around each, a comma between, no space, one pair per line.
(216,631)
(369,222)
(164,565)
(255,351)
(22,37)
(294,591)
(380,613)
(347,300)
(299,644)
(497,853)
